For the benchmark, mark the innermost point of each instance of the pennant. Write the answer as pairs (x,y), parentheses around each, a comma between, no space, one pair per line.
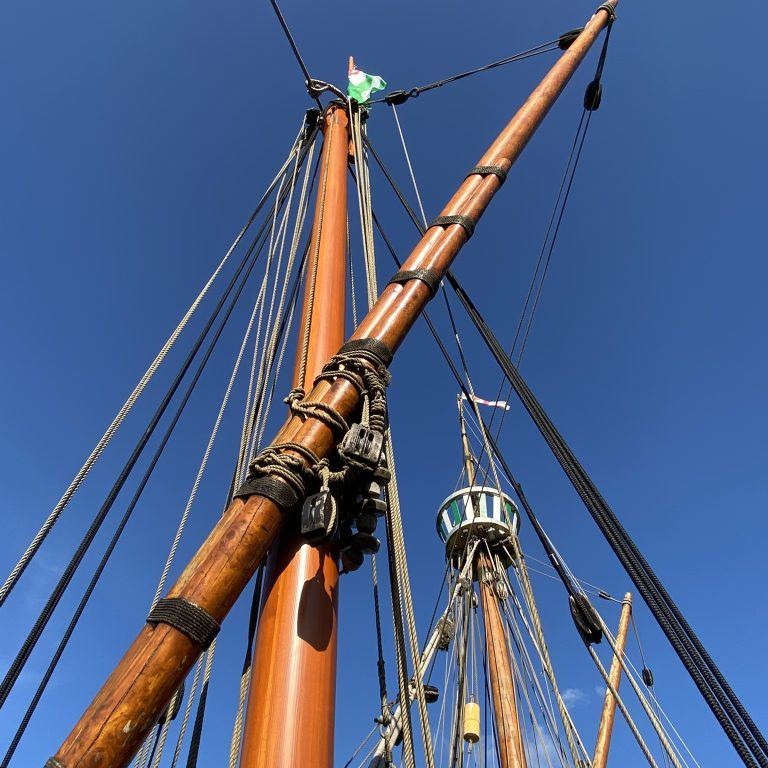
(361,85)
(493,403)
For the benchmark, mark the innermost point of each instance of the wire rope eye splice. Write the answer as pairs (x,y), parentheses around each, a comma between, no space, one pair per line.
(340,494)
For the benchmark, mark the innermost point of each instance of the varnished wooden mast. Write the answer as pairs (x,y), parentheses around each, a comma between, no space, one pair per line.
(511,753)
(132,699)
(293,684)
(605,731)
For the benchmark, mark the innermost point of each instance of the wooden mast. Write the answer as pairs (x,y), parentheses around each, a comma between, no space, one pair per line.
(511,753)
(293,684)
(115,724)
(605,730)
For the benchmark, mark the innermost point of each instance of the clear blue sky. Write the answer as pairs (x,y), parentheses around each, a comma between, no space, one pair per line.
(135,139)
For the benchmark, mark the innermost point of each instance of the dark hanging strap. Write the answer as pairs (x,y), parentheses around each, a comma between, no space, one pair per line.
(594,93)
(270,488)
(190,619)
(489,170)
(374,346)
(427,276)
(463,221)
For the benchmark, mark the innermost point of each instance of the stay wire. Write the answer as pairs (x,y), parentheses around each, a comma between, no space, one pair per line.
(294,47)
(742,732)
(125,519)
(547,47)
(747,729)
(34,635)
(53,517)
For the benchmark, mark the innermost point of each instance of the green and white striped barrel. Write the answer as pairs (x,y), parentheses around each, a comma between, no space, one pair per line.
(480,512)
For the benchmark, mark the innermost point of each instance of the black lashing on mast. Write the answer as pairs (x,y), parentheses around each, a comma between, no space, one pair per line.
(270,488)
(375,347)
(489,170)
(427,276)
(463,221)
(189,619)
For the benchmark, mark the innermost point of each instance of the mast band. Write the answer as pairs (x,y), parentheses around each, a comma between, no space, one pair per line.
(270,488)
(427,276)
(189,619)
(374,346)
(463,221)
(52,762)
(489,170)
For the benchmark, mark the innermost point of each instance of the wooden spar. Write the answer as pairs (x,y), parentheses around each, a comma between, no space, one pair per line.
(293,684)
(605,731)
(511,753)
(132,699)
(470,465)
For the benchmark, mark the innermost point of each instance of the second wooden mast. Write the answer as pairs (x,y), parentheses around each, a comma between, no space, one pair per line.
(292,698)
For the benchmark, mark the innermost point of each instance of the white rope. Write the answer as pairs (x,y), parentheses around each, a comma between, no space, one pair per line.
(204,462)
(658,726)
(575,744)
(187,710)
(123,412)
(545,705)
(623,708)
(410,167)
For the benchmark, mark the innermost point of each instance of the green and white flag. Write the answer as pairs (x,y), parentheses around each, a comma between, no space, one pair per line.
(361,85)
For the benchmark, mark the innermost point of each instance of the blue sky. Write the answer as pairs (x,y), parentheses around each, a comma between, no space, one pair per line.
(136,138)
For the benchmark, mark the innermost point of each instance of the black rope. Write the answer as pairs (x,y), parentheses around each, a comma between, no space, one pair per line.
(733,709)
(728,710)
(294,48)
(309,140)
(398,97)
(197,729)
(158,733)
(381,669)
(126,517)
(20,660)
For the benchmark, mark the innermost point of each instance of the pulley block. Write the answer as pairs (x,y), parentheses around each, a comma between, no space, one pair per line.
(316,516)
(362,444)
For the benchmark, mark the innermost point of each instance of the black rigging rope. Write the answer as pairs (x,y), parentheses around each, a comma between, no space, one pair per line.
(131,506)
(34,635)
(728,710)
(558,211)
(737,724)
(294,47)
(398,97)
